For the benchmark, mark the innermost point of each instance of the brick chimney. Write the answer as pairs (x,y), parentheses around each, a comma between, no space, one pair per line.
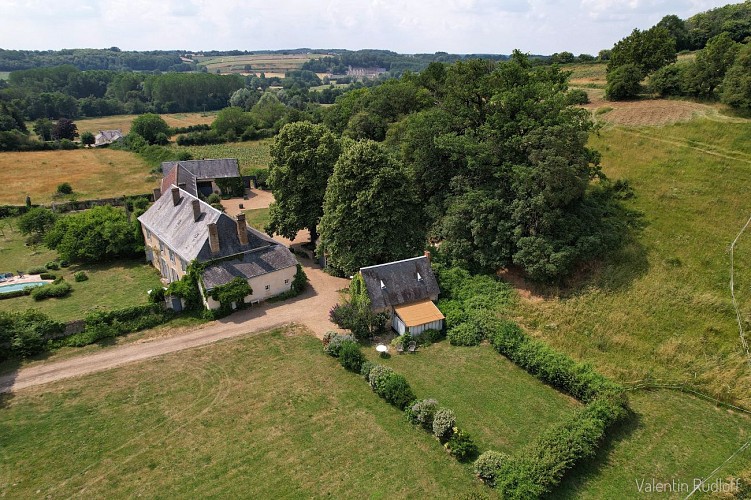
(242,229)
(176,196)
(427,255)
(213,238)
(157,193)
(196,209)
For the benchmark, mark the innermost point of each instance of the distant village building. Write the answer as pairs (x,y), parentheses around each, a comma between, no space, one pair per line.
(405,290)
(365,72)
(180,228)
(107,137)
(199,176)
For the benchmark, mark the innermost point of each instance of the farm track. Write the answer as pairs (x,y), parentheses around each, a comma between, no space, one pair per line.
(695,145)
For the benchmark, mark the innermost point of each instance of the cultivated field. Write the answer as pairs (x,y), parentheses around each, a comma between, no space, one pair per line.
(265,416)
(93,173)
(250,154)
(269,64)
(123,122)
(110,286)
(661,308)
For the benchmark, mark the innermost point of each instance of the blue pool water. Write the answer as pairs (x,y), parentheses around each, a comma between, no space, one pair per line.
(20,286)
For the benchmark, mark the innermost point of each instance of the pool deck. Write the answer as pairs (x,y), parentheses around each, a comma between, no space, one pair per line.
(27,278)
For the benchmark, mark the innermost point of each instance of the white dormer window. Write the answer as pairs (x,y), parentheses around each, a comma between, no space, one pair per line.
(419,278)
(383,285)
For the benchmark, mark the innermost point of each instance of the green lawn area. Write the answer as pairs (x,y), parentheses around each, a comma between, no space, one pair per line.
(499,404)
(265,416)
(110,286)
(671,436)
(661,308)
(250,154)
(257,217)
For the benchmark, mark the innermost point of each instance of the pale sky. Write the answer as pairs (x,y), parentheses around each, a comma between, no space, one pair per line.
(454,26)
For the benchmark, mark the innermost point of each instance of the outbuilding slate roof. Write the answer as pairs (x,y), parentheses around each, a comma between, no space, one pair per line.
(249,265)
(401,282)
(177,228)
(206,169)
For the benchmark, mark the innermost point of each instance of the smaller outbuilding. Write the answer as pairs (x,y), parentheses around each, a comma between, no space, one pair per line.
(406,291)
(201,176)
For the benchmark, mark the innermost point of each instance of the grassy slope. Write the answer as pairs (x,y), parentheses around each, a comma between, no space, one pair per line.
(110,286)
(499,404)
(671,436)
(264,416)
(662,307)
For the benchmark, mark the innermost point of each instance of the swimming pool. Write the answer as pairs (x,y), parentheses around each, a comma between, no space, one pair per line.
(20,286)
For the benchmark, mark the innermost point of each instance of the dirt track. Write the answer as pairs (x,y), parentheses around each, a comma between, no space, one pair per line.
(310,309)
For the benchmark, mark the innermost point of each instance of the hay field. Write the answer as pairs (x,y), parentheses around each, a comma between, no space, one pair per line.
(123,122)
(93,173)
(270,64)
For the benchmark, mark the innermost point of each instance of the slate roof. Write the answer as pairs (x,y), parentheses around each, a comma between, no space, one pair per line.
(107,137)
(400,282)
(181,177)
(249,265)
(206,169)
(175,226)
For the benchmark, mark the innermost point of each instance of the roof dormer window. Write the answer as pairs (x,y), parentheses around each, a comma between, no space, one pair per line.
(419,278)
(383,285)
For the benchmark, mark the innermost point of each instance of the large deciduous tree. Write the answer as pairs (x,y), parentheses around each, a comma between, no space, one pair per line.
(64,129)
(649,50)
(151,127)
(302,160)
(736,88)
(371,213)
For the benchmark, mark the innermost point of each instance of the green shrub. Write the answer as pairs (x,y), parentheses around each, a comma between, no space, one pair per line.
(25,333)
(64,263)
(430,336)
(48,276)
(577,96)
(334,345)
(351,357)
(64,188)
(487,465)
(378,376)
(58,290)
(213,198)
(365,369)
(37,270)
(422,412)
(465,334)
(461,446)
(52,266)
(107,324)
(396,390)
(453,311)
(157,295)
(444,421)
(80,276)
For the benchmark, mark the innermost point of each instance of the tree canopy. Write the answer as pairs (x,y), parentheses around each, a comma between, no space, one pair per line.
(302,160)
(149,126)
(371,213)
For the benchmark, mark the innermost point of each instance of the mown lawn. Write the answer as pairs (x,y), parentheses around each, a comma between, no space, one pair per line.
(110,286)
(661,308)
(257,217)
(499,404)
(249,154)
(266,416)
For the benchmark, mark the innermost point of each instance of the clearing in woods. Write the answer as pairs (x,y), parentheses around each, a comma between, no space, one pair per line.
(93,173)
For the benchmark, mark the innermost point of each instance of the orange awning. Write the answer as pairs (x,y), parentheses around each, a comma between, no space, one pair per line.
(419,313)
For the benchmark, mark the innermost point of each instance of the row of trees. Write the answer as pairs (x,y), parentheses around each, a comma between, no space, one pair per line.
(487,158)
(85,59)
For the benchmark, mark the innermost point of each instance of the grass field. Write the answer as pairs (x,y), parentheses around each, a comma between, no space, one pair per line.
(250,154)
(499,404)
(257,217)
(586,75)
(671,436)
(110,286)
(264,416)
(661,308)
(93,173)
(123,122)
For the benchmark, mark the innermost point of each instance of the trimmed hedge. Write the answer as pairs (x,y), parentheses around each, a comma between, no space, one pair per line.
(57,290)
(579,380)
(108,324)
